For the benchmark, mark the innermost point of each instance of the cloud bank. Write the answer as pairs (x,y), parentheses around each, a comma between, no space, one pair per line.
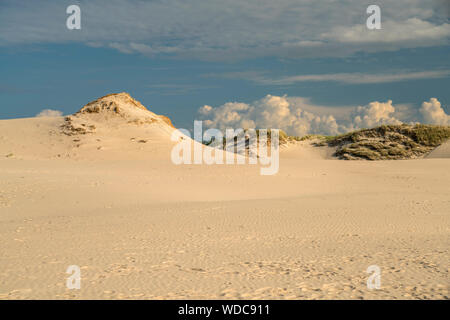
(289,114)
(224,30)
(347,78)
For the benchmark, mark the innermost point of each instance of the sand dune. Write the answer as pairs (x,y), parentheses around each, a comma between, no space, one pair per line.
(306,150)
(443,151)
(112,127)
(107,197)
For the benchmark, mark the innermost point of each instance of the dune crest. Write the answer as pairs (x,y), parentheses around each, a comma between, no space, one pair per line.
(112,109)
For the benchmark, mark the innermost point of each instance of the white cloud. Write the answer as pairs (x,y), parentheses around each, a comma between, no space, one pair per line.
(410,32)
(223,30)
(49,113)
(269,112)
(205,110)
(350,78)
(290,115)
(433,113)
(375,114)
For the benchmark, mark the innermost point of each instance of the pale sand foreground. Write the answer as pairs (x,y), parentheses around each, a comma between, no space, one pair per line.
(141,227)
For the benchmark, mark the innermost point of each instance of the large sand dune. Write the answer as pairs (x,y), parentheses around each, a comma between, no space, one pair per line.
(108,198)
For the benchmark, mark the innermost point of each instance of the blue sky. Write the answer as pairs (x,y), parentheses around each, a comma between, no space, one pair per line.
(177,56)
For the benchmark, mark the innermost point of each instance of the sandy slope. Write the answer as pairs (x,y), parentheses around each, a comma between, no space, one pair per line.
(142,227)
(443,151)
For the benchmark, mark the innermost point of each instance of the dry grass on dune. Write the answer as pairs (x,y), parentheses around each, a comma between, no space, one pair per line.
(388,142)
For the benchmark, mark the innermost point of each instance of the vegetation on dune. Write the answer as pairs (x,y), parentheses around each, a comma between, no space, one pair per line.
(282,136)
(388,142)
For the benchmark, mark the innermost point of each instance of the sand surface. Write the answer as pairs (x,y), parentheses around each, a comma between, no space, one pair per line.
(443,151)
(141,227)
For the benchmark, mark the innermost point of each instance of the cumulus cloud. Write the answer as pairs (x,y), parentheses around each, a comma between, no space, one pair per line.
(375,114)
(49,113)
(433,113)
(268,112)
(289,114)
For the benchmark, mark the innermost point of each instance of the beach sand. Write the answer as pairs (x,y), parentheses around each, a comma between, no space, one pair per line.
(141,227)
